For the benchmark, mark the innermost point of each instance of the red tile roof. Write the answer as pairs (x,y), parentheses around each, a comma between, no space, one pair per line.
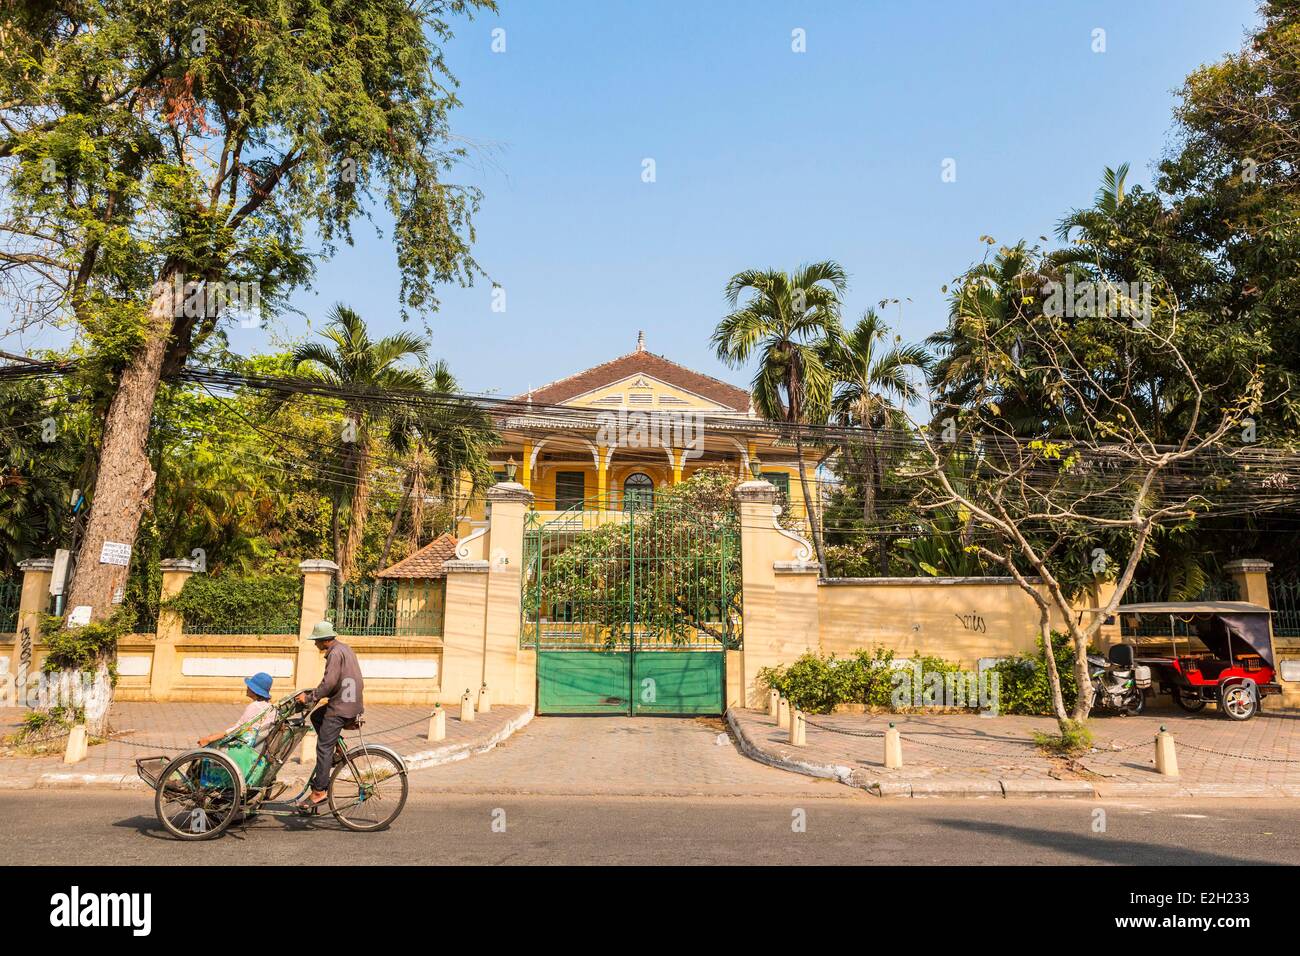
(715,390)
(425,563)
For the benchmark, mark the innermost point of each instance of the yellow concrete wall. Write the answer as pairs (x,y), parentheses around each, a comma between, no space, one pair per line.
(277,653)
(960,620)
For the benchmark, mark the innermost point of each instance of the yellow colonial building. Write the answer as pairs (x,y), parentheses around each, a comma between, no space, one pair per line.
(610,436)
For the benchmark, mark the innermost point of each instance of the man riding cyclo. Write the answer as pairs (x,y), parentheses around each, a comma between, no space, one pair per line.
(343,685)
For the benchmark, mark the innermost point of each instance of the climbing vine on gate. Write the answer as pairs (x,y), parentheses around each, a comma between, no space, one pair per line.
(669,573)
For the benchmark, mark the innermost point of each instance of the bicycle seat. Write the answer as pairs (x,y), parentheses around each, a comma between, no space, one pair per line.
(354,724)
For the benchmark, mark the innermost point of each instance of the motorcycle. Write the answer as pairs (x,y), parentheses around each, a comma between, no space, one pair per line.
(1119,683)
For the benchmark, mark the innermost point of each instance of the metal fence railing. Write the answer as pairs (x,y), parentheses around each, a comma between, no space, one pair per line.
(388,607)
(1284,598)
(11,593)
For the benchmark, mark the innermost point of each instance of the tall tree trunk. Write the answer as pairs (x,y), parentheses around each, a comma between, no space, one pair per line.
(383,555)
(1049,660)
(1082,703)
(124,479)
(357,512)
(869,499)
(336,543)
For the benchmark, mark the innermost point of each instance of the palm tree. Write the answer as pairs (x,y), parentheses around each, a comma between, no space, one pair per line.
(786,320)
(988,301)
(873,377)
(353,361)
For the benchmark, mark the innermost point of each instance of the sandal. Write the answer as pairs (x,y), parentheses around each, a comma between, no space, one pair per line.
(308,805)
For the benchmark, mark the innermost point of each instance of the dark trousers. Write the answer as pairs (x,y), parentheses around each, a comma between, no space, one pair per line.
(328,727)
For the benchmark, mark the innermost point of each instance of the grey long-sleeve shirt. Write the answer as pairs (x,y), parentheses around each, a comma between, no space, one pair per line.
(342,683)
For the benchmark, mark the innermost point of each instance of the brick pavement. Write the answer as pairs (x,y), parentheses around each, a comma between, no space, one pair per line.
(145,729)
(982,755)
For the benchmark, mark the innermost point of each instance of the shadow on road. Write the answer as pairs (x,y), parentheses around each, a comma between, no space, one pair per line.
(1097,846)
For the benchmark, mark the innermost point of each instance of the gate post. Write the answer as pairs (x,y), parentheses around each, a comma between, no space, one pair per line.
(462,624)
(32,603)
(779,601)
(504,669)
(163,670)
(317,573)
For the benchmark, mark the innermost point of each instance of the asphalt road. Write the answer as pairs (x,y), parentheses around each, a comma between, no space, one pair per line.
(119,829)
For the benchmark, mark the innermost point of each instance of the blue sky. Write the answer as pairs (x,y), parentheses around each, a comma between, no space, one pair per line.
(767,158)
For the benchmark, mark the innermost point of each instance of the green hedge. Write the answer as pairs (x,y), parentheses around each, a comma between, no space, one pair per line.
(1022,680)
(229,604)
(815,683)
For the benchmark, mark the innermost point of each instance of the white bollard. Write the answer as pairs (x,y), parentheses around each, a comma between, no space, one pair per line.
(1166,756)
(437,723)
(484,700)
(773,702)
(783,714)
(75,752)
(798,734)
(893,749)
(466,706)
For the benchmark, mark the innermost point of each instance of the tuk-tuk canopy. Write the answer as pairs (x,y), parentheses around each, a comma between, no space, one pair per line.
(1217,624)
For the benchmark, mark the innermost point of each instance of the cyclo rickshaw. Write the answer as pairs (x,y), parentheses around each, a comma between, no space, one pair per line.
(1236,668)
(199,794)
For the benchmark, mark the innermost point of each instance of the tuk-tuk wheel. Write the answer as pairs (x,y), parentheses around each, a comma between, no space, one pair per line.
(1190,704)
(1238,702)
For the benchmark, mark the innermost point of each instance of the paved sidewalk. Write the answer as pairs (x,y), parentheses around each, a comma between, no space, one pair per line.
(623,757)
(145,729)
(969,755)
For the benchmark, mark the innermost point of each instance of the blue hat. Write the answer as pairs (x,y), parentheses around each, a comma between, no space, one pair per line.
(260,684)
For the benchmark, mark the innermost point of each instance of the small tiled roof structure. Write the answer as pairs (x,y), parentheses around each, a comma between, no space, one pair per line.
(643,362)
(425,563)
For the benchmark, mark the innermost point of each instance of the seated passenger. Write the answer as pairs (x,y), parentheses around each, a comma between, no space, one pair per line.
(257,717)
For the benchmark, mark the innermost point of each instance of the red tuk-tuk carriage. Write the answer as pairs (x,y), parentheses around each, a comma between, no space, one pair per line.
(1235,670)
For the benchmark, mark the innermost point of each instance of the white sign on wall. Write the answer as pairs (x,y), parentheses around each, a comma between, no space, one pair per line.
(114,552)
(236,666)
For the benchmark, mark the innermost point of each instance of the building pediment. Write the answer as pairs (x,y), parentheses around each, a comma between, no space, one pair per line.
(642,379)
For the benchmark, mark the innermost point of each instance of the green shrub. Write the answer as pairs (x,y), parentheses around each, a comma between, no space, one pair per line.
(817,683)
(217,604)
(81,648)
(1075,738)
(1023,687)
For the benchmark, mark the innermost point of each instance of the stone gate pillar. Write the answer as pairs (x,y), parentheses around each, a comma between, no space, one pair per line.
(32,604)
(779,582)
(511,676)
(163,672)
(1251,577)
(317,573)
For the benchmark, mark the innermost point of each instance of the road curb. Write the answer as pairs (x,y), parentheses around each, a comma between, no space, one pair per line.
(823,771)
(454,752)
(1048,788)
(976,788)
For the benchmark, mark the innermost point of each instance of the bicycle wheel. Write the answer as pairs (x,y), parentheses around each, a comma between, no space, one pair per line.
(368,789)
(198,795)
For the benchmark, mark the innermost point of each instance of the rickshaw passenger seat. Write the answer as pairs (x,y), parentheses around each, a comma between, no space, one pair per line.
(1213,668)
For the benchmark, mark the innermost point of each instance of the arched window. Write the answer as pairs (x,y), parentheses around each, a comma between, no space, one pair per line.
(638,492)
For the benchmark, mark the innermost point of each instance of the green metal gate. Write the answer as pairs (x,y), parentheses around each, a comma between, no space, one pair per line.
(631,612)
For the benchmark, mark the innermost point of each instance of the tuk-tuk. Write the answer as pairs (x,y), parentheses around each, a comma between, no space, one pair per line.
(1236,668)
